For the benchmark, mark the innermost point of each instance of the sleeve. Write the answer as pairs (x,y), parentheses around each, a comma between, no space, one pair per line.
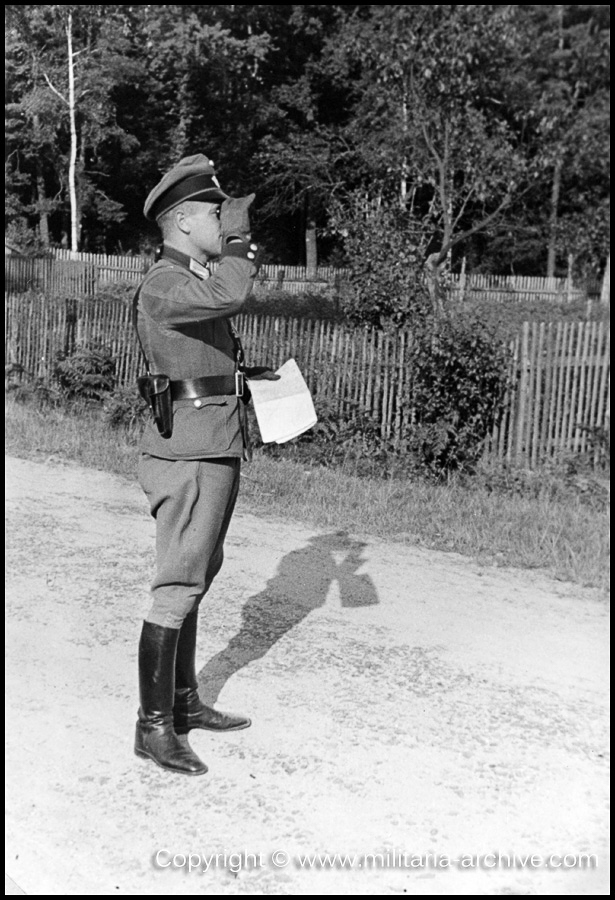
(173,297)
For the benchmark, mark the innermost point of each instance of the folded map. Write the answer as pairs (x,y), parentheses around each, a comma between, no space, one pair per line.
(284,408)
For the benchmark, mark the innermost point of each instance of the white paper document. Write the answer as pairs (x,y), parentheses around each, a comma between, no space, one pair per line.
(284,408)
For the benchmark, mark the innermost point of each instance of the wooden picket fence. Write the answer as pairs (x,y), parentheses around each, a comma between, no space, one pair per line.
(64,275)
(559,372)
(515,288)
(559,395)
(91,273)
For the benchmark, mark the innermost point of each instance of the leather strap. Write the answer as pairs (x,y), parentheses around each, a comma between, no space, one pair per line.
(135,315)
(208,386)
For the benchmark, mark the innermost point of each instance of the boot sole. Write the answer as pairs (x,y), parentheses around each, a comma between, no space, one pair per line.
(187,728)
(142,754)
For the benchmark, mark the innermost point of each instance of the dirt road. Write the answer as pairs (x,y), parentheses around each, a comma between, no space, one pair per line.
(411,712)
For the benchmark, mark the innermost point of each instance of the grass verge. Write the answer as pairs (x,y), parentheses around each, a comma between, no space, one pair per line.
(563,535)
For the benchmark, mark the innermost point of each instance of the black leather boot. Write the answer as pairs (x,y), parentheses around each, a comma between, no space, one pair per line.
(155,738)
(188,711)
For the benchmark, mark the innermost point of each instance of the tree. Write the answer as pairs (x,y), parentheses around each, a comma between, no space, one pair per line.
(431,120)
(302,159)
(75,57)
(30,139)
(201,74)
(487,126)
(568,103)
(69,101)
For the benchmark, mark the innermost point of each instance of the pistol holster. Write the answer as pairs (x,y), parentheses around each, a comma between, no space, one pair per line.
(156,391)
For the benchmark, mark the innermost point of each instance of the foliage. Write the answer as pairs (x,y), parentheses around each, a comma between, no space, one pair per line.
(19,235)
(467,115)
(23,388)
(124,409)
(84,375)
(384,253)
(38,113)
(566,108)
(559,479)
(599,440)
(347,439)
(431,116)
(459,379)
(87,373)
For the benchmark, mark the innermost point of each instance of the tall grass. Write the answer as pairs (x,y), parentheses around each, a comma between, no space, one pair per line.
(83,437)
(562,535)
(569,540)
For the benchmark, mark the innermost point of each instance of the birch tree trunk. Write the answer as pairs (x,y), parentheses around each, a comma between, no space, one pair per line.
(403,182)
(605,294)
(72,187)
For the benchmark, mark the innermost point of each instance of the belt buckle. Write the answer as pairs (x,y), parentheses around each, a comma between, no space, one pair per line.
(239,384)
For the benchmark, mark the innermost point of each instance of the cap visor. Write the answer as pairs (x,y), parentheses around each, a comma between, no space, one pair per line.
(211,195)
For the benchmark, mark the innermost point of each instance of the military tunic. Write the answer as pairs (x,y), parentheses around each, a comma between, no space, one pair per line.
(183,325)
(191,479)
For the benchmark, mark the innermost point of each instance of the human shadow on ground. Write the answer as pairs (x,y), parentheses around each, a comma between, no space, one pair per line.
(300,585)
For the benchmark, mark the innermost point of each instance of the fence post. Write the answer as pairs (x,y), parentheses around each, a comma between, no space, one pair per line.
(569,280)
(605,293)
(462,281)
(523,386)
(560,377)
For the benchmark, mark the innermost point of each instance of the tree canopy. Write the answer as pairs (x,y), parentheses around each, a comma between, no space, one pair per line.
(475,131)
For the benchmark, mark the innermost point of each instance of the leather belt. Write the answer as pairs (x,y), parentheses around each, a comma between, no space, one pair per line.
(207,386)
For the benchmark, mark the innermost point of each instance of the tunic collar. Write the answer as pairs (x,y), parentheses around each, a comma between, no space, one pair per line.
(188,262)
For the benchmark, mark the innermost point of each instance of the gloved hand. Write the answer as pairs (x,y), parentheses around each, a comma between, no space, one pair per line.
(234,218)
(261,373)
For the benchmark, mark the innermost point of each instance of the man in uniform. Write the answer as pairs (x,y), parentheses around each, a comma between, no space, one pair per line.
(192,448)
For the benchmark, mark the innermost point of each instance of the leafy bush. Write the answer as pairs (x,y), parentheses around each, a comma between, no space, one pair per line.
(385,250)
(599,439)
(23,388)
(88,373)
(458,385)
(349,440)
(23,239)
